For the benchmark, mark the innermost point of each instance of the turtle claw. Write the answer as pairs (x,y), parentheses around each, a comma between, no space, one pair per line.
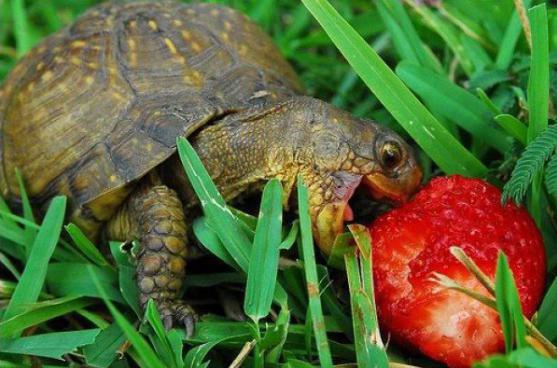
(178,314)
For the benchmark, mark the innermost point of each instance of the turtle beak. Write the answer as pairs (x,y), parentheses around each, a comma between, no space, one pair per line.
(329,220)
(397,190)
(328,224)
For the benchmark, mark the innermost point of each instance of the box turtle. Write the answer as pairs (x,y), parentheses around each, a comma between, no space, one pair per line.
(93,113)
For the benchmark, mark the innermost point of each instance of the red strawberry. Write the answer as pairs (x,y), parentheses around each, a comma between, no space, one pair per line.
(413,241)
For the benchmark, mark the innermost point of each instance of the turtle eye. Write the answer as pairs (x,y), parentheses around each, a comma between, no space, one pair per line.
(391,155)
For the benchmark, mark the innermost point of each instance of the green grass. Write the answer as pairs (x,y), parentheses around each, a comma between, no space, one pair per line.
(459,82)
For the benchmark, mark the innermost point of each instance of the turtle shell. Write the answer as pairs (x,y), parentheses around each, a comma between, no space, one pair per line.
(99,104)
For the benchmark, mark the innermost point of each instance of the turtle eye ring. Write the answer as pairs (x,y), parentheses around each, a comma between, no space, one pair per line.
(391,155)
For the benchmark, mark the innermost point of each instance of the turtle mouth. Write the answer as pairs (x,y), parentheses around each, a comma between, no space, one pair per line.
(333,215)
(371,189)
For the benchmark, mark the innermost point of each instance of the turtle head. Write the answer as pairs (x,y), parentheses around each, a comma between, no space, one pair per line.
(344,153)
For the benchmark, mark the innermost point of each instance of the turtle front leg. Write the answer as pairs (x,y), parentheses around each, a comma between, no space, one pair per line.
(154,215)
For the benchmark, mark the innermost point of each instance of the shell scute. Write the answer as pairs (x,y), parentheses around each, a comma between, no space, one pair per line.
(99,104)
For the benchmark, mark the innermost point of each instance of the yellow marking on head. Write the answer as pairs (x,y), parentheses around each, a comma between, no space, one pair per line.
(177,22)
(149,147)
(193,79)
(113,178)
(39,66)
(181,60)
(96,47)
(224,36)
(133,59)
(75,60)
(131,44)
(195,46)
(170,45)
(153,25)
(186,35)
(118,96)
(47,76)
(215,12)
(77,44)
(227,25)
(89,80)
(93,66)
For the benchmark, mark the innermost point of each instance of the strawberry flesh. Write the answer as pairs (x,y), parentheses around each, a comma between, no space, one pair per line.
(412,242)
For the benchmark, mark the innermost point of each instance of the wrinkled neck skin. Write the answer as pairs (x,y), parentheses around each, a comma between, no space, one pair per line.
(245,149)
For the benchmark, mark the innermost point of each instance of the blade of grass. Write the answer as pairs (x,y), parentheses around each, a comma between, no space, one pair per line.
(513,127)
(512,33)
(164,348)
(471,28)
(51,345)
(538,83)
(34,274)
(5,261)
(23,38)
(144,350)
(210,240)
(547,318)
(508,305)
(195,358)
(126,276)
(85,245)
(488,102)
(264,258)
(455,103)
(42,312)
(69,279)
(214,206)
(538,94)
(447,32)
(479,57)
(103,352)
(219,217)
(363,241)
(404,35)
(291,237)
(310,268)
(367,340)
(29,232)
(427,131)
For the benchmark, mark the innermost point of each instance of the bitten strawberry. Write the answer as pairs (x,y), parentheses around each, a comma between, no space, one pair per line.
(413,241)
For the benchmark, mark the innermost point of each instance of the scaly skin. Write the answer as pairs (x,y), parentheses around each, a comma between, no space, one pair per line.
(155,216)
(331,150)
(98,105)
